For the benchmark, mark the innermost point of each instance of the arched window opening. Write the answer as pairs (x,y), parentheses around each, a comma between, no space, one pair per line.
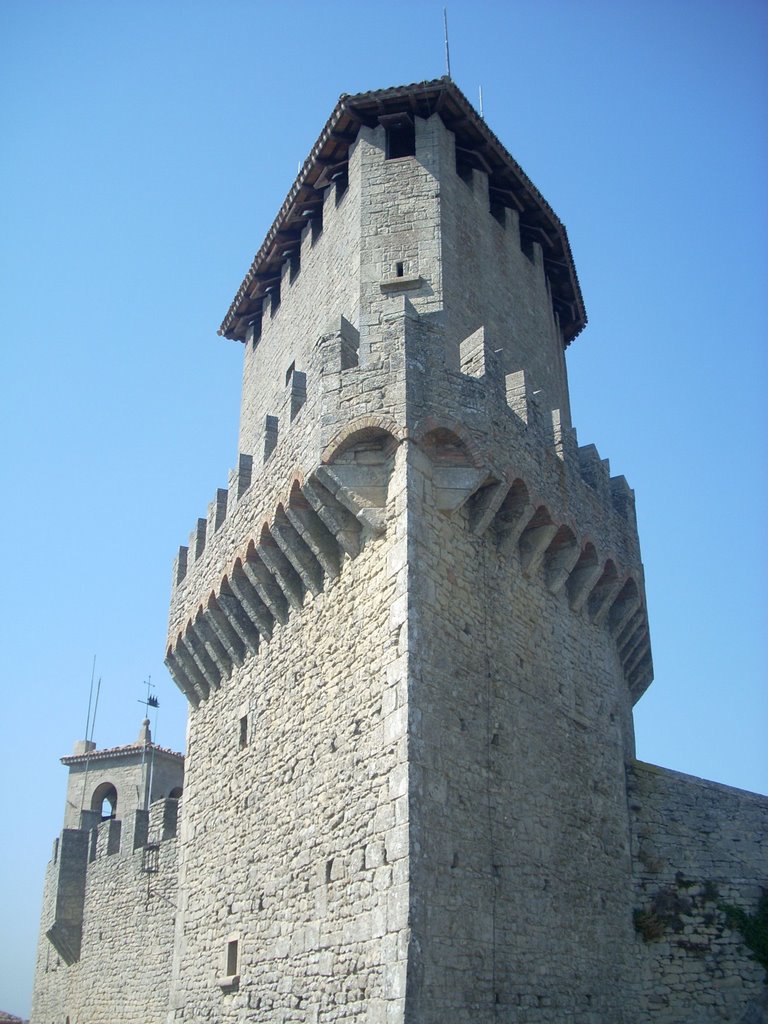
(175,793)
(104,800)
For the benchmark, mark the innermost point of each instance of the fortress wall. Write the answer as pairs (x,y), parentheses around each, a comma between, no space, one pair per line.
(697,846)
(123,972)
(294,844)
(520,847)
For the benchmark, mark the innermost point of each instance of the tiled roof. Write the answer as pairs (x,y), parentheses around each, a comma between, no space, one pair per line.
(476,140)
(131,748)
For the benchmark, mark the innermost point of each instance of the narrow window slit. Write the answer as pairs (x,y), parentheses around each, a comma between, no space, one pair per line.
(232,957)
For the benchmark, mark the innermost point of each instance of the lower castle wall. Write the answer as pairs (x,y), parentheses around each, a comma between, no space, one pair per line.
(697,846)
(123,973)
(520,838)
(294,843)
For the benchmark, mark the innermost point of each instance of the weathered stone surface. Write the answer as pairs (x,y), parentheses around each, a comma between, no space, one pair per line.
(411,635)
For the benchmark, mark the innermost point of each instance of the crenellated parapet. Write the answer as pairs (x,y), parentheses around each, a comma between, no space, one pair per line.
(513,470)
(97,857)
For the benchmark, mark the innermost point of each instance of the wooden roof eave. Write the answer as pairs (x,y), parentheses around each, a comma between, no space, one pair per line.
(422,99)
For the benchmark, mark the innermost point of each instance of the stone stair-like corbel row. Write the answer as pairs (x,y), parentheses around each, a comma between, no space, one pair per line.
(594,584)
(322,522)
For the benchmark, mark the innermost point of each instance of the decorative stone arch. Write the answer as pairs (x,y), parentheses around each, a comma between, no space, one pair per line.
(560,557)
(538,534)
(104,800)
(364,431)
(625,607)
(446,440)
(193,642)
(294,488)
(583,576)
(602,594)
(515,506)
(457,469)
(315,533)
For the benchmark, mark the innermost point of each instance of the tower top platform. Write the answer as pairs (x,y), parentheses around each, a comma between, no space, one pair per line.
(476,145)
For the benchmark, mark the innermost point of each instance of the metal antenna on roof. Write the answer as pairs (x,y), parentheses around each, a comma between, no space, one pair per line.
(90,698)
(447,50)
(90,725)
(150,701)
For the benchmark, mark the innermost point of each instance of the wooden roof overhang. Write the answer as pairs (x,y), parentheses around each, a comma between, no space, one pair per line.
(476,144)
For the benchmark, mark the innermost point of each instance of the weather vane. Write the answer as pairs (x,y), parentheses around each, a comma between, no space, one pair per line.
(150,701)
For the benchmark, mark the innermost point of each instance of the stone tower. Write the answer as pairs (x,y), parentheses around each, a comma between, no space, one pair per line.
(110,886)
(411,632)
(412,629)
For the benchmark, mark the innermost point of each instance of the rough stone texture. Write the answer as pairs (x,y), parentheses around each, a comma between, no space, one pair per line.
(411,632)
(127,897)
(697,847)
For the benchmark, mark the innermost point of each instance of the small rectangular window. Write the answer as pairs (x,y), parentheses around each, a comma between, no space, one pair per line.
(232,955)
(273,291)
(289,372)
(340,180)
(497,212)
(464,169)
(314,217)
(243,741)
(253,331)
(401,139)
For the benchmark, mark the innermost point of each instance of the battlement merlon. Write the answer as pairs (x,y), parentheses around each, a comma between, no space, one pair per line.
(305,511)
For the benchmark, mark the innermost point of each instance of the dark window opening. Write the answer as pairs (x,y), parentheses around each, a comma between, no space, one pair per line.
(497,212)
(294,264)
(243,741)
(175,793)
(232,952)
(340,182)
(399,268)
(253,331)
(104,800)
(401,139)
(315,219)
(274,297)
(464,169)
(526,245)
(289,372)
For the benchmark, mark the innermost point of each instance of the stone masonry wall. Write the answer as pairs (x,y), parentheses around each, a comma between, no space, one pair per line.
(129,777)
(123,972)
(491,280)
(519,717)
(697,846)
(295,843)
(325,288)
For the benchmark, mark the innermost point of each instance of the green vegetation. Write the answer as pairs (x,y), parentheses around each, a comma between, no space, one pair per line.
(754,928)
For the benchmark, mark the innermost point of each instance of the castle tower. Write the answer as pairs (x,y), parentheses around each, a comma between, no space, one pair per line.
(115,782)
(411,632)
(412,629)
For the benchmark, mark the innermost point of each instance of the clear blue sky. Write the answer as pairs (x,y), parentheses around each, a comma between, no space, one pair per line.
(146,149)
